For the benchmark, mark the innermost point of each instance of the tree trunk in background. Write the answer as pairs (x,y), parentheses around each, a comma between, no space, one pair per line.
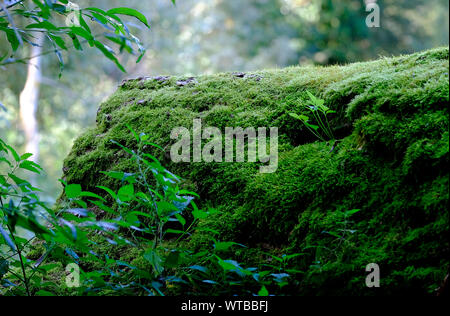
(29,98)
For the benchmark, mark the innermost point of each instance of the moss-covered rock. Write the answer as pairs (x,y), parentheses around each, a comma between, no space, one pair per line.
(391,164)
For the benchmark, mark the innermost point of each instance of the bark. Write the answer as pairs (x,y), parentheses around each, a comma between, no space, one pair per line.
(29,100)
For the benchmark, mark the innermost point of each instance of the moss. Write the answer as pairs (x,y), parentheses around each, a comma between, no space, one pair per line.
(391,164)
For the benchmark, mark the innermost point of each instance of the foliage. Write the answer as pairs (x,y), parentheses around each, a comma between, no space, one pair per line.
(137,222)
(47,17)
(392,120)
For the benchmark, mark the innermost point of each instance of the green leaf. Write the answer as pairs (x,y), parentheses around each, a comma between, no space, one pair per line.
(155,260)
(126,193)
(2,106)
(12,39)
(7,238)
(93,195)
(122,176)
(76,42)
(59,41)
(4,267)
(99,17)
(198,214)
(108,52)
(3,159)
(30,166)
(315,127)
(73,191)
(300,117)
(13,153)
(132,131)
(130,12)
(173,259)
(312,97)
(180,219)
(223,246)
(26,156)
(351,212)
(263,291)
(44,293)
(111,192)
(81,32)
(174,231)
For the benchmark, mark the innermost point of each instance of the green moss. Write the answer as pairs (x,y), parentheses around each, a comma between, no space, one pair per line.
(391,164)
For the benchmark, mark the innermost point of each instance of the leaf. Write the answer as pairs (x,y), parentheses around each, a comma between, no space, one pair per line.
(30,166)
(81,32)
(122,176)
(49,266)
(44,293)
(111,192)
(228,264)
(209,282)
(59,41)
(163,208)
(288,257)
(351,212)
(7,238)
(263,291)
(198,214)
(108,52)
(42,25)
(312,97)
(76,42)
(73,191)
(3,159)
(199,268)
(12,39)
(4,267)
(155,260)
(315,127)
(72,228)
(300,117)
(124,264)
(223,246)
(100,18)
(13,153)
(173,259)
(184,203)
(78,212)
(126,193)
(26,156)
(130,12)
(279,277)
(180,219)
(132,131)
(93,195)
(174,231)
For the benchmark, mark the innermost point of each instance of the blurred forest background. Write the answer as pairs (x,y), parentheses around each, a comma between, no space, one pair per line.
(208,36)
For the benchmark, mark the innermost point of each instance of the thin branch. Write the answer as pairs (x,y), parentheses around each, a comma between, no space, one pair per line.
(10,3)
